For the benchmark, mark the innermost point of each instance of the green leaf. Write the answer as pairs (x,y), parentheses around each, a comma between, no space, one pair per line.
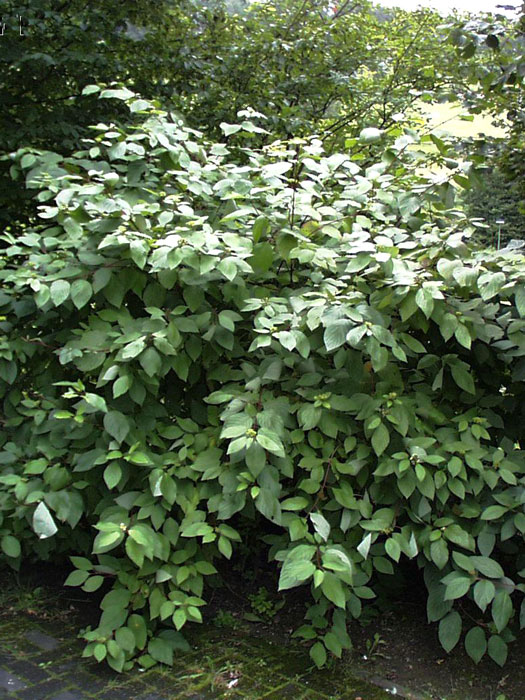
(105,541)
(11,546)
(161,651)
(457,535)
(112,474)
(270,442)
(484,592)
(225,547)
(450,631)
(133,349)
(117,425)
(98,402)
(493,512)
(228,268)
(121,386)
(321,525)
(335,334)
(393,549)
(488,567)
(318,654)
(490,284)
(81,292)
(296,503)
(261,227)
(457,588)
(425,301)
(364,547)
(463,378)
(93,583)
(59,291)
(90,89)
(151,362)
(439,553)
(138,457)
(497,649)
(137,625)
(502,609)
(76,578)
(380,439)
(125,639)
(476,644)
(262,258)
(294,572)
(333,589)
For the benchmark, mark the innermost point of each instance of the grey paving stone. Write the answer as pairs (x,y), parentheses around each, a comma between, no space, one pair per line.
(42,691)
(44,641)
(29,671)
(10,682)
(67,695)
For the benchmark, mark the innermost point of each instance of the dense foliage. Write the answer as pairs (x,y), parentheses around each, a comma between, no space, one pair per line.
(199,338)
(309,70)
(494,51)
(497,199)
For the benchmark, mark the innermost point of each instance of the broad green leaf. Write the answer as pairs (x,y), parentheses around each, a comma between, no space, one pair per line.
(121,386)
(380,439)
(321,525)
(11,546)
(393,549)
(151,362)
(463,378)
(98,402)
(502,609)
(488,567)
(318,654)
(476,644)
(81,292)
(117,425)
(493,512)
(458,588)
(161,651)
(76,578)
(112,474)
(335,334)
(497,649)
(450,631)
(59,291)
(294,572)
(270,442)
(333,589)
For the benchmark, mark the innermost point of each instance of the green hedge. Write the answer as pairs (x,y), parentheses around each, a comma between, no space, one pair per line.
(198,334)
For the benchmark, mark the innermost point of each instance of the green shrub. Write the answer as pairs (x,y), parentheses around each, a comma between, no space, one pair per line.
(497,199)
(189,344)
